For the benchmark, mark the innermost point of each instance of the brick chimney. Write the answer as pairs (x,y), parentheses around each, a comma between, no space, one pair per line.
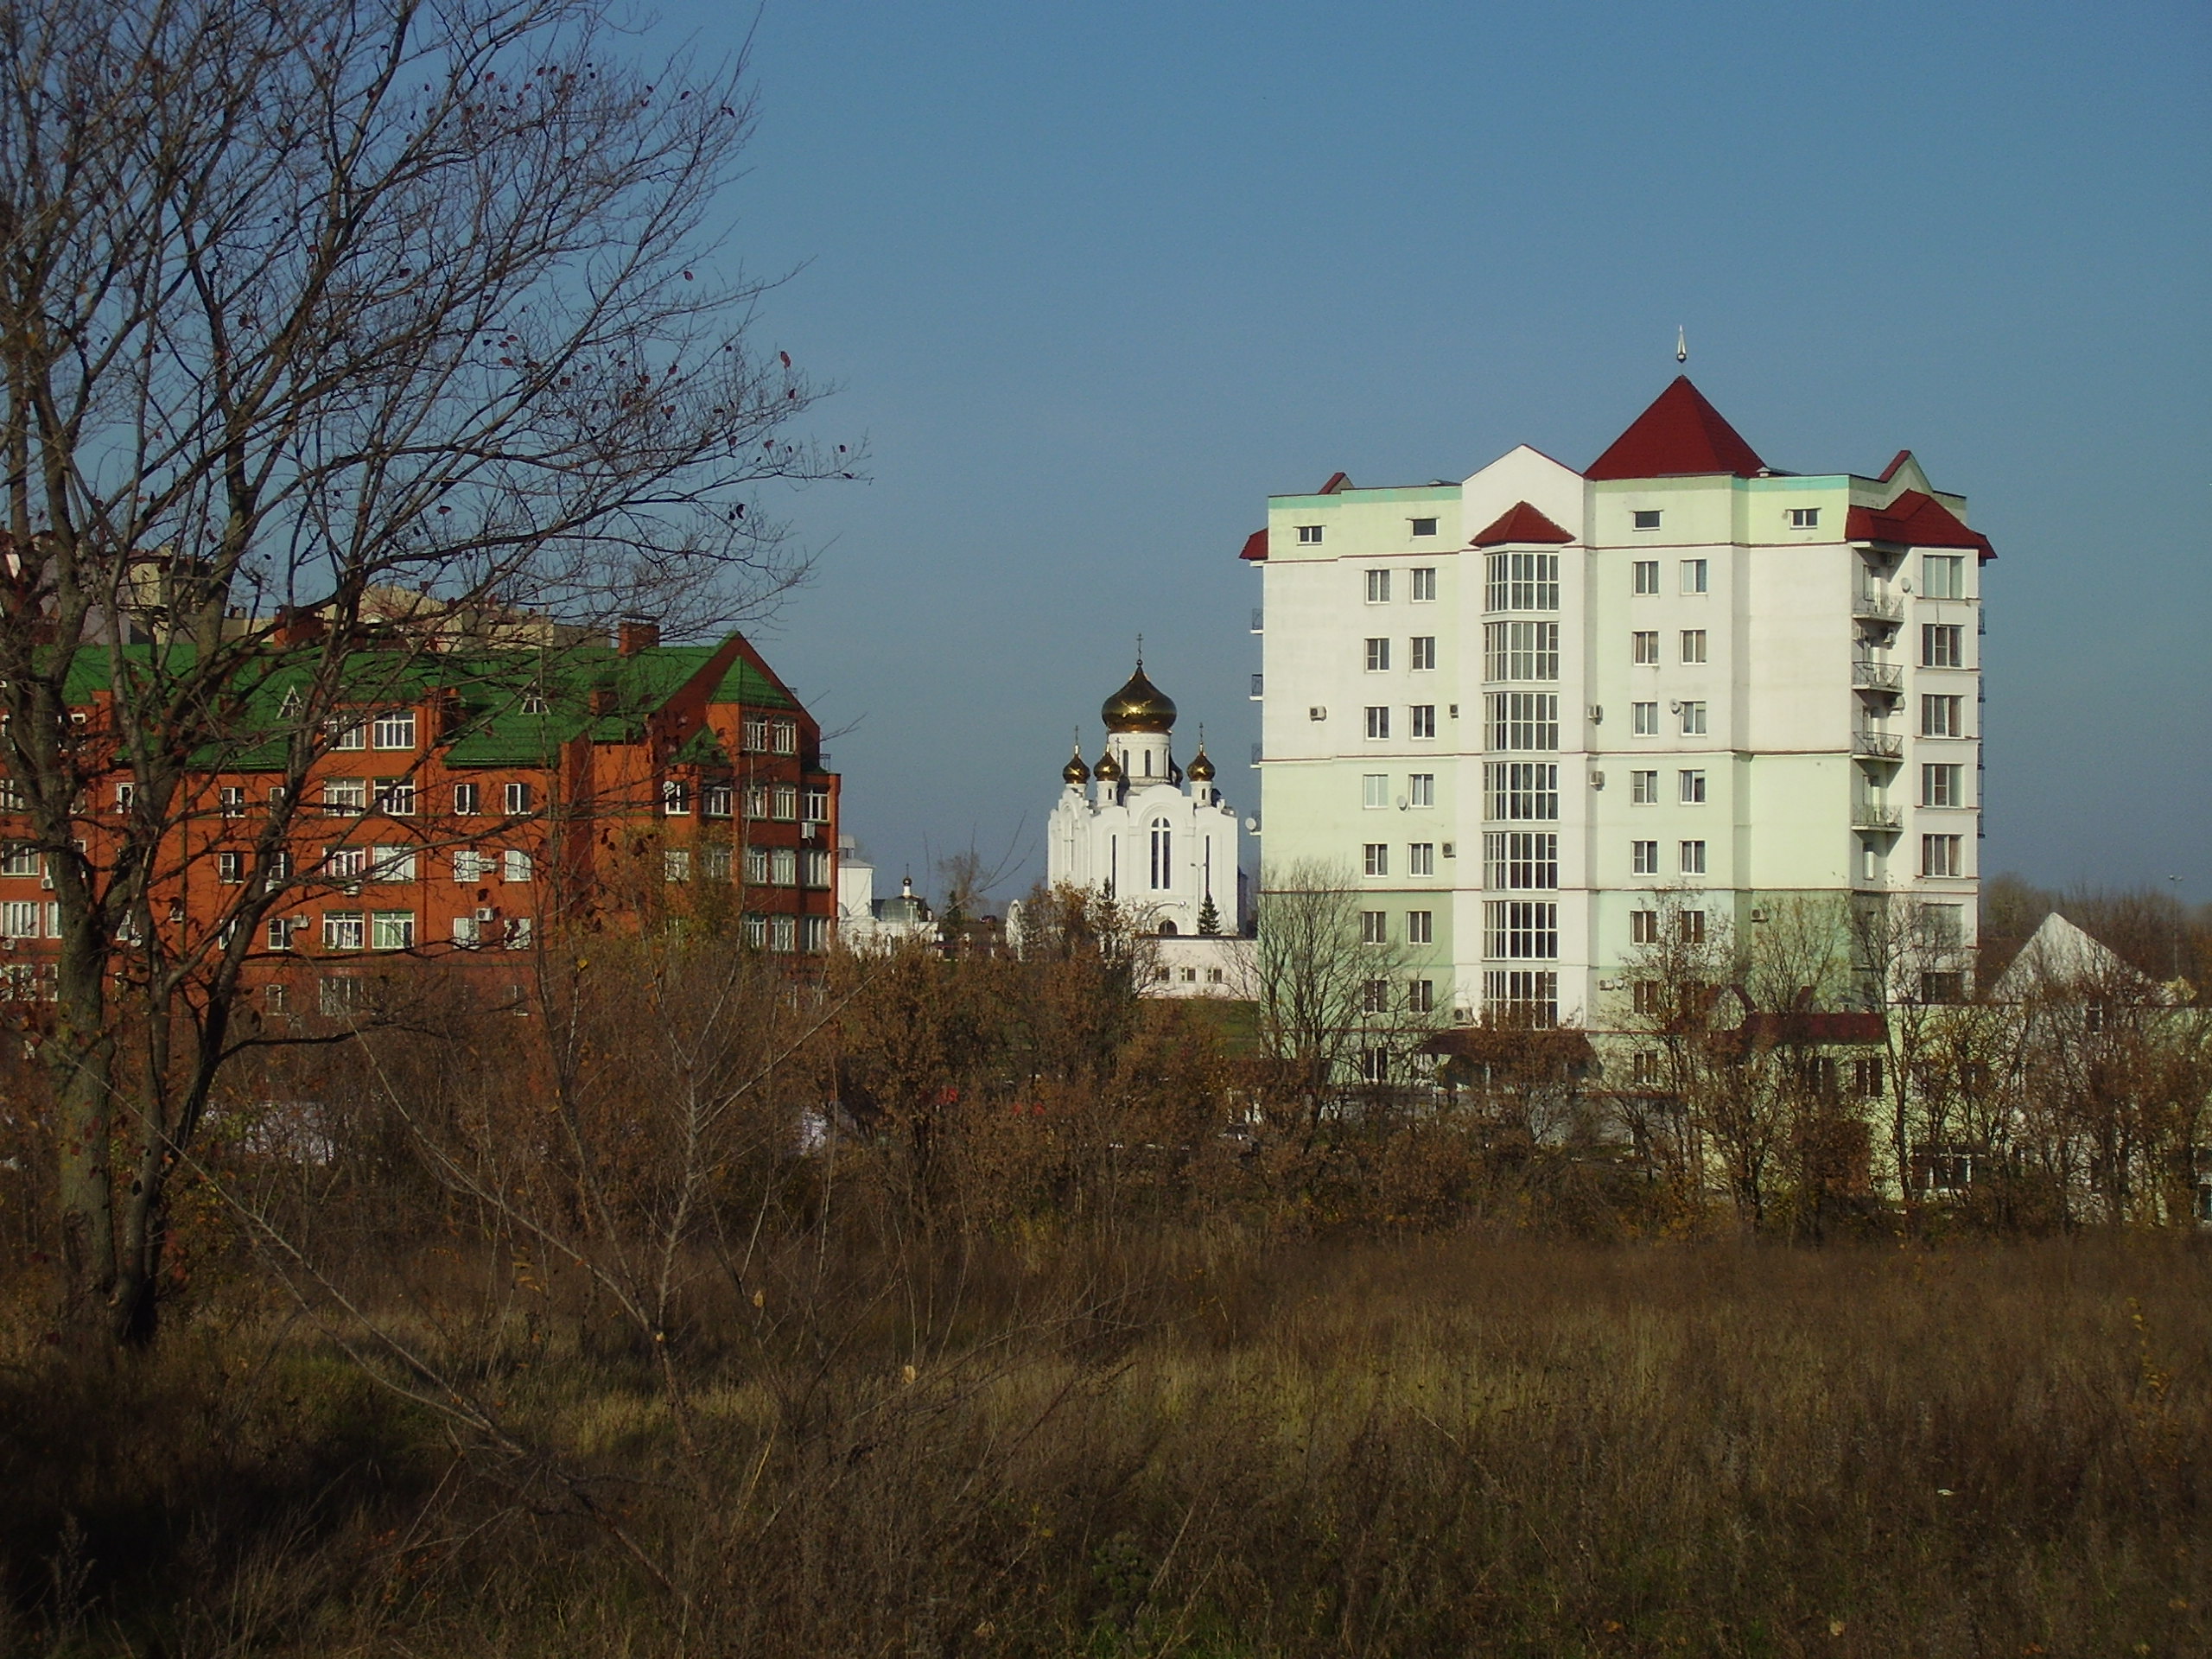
(637,633)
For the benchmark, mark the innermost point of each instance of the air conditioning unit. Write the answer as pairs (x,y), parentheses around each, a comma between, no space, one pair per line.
(1317,712)
(1448,849)
(1596,712)
(487,913)
(1597,780)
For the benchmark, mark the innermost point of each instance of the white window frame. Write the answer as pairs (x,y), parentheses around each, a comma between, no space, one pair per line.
(1644,647)
(1690,858)
(1697,576)
(1424,584)
(1421,788)
(1378,655)
(1690,786)
(394,730)
(1643,858)
(1375,859)
(1374,790)
(1378,722)
(1420,653)
(1693,644)
(1643,579)
(1644,720)
(1693,719)
(1309,535)
(1643,787)
(1421,927)
(1378,585)
(1646,517)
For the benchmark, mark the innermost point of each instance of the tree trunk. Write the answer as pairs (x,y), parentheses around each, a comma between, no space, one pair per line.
(81,1054)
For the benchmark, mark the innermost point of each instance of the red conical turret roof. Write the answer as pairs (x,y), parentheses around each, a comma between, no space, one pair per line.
(1680,434)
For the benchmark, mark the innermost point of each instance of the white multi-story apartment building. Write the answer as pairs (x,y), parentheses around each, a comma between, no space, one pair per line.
(1517,709)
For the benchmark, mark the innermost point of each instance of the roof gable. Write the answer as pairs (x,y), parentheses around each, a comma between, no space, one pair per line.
(1681,434)
(1255,545)
(1520,522)
(1915,519)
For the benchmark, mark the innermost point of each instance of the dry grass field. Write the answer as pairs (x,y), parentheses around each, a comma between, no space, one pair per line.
(1183,1443)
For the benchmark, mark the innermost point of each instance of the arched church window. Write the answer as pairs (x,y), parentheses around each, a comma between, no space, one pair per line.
(1163,837)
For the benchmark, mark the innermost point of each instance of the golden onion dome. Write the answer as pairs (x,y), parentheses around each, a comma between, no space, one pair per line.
(1201,767)
(1108,770)
(1140,705)
(1075,772)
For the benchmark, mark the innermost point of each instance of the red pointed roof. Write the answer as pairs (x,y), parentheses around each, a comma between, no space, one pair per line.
(1679,435)
(1914,520)
(1521,523)
(1338,484)
(1255,545)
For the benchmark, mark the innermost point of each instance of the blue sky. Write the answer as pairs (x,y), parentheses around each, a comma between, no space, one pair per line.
(1095,280)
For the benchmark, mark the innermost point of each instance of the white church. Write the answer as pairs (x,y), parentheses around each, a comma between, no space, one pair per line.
(1158,838)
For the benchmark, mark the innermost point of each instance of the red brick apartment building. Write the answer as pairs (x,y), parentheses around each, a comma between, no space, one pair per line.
(483,799)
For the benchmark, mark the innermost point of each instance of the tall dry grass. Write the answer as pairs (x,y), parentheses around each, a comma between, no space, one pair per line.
(1169,1441)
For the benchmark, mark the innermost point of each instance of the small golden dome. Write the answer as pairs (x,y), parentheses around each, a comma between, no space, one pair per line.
(1108,770)
(1140,705)
(1075,772)
(1201,768)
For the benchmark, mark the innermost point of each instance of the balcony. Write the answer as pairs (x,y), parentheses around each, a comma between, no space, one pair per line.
(1872,814)
(1877,607)
(1867,675)
(1259,621)
(1877,746)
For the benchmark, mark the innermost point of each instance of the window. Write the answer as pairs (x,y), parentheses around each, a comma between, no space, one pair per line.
(1643,858)
(1420,858)
(514,865)
(16,859)
(392,930)
(783,932)
(1424,584)
(1943,987)
(1521,581)
(1521,791)
(467,931)
(785,733)
(345,736)
(1692,788)
(1693,858)
(674,864)
(1694,575)
(1523,720)
(278,935)
(1645,996)
(1866,1076)
(814,936)
(1692,644)
(1644,645)
(1942,716)
(1374,1065)
(1424,526)
(341,995)
(1804,518)
(1529,997)
(1421,788)
(1644,1068)
(11,795)
(1378,656)
(464,799)
(1691,924)
(1643,927)
(1374,996)
(1943,785)
(1421,996)
(1943,926)
(783,866)
(280,870)
(1377,858)
(233,801)
(1942,644)
(756,800)
(1378,586)
(1942,856)
(756,734)
(518,799)
(1942,575)
(715,800)
(1517,929)
(756,866)
(393,864)
(1163,856)
(1643,576)
(813,867)
(471,867)
(341,930)
(756,932)
(714,863)
(1375,790)
(675,799)
(1378,722)
(1693,719)
(815,807)
(1520,651)
(1374,927)
(396,730)
(19,918)
(1422,652)
(125,795)
(1424,721)
(1643,789)
(1421,927)
(518,932)
(1646,517)
(1309,535)
(347,865)
(1520,861)
(396,797)
(345,796)
(1644,720)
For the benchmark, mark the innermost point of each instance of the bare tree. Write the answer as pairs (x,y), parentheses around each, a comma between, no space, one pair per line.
(302,305)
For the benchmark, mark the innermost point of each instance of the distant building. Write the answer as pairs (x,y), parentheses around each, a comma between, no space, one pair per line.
(1515,709)
(868,923)
(1157,839)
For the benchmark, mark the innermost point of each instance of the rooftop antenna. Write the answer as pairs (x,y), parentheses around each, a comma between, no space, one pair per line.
(1681,344)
